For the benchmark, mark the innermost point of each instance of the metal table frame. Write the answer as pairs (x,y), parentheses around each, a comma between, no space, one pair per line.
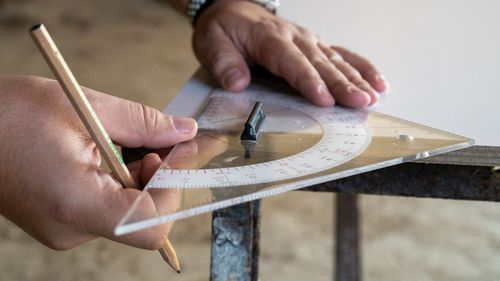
(235,230)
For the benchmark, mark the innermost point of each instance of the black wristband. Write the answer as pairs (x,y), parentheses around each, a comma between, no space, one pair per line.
(195,7)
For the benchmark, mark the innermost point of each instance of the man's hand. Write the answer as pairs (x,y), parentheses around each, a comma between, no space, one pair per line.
(51,181)
(231,34)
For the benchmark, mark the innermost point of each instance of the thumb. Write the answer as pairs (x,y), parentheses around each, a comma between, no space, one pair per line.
(218,53)
(133,124)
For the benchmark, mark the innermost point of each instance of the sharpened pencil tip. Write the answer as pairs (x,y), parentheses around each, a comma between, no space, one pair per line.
(168,254)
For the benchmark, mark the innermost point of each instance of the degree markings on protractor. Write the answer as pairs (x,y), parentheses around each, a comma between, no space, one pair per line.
(341,135)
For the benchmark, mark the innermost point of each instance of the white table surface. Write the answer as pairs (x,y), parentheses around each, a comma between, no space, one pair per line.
(442,58)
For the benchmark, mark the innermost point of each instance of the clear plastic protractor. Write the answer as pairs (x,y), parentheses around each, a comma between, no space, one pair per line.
(297,139)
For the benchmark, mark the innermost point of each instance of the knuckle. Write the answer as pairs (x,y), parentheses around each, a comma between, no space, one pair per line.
(361,84)
(334,56)
(269,25)
(339,85)
(302,30)
(354,76)
(219,60)
(295,68)
(216,58)
(319,61)
(303,81)
(151,119)
(287,60)
(349,71)
(306,34)
(49,85)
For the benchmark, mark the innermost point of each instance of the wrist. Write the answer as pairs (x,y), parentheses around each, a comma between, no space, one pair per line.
(195,8)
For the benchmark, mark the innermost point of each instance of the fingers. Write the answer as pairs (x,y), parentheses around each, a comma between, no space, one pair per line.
(219,54)
(283,58)
(142,170)
(353,75)
(133,125)
(344,82)
(150,165)
(319,72)
(367,70)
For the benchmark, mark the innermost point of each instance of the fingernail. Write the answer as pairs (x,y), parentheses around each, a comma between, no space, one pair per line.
(184,125)
(374,93)
(381,79)
(232,76)
(362,98)
(376,97)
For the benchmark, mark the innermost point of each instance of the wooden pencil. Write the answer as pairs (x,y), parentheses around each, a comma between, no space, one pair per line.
(89,118)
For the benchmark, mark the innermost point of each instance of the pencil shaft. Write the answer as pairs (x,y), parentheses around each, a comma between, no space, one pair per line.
(89,118)
(82,106)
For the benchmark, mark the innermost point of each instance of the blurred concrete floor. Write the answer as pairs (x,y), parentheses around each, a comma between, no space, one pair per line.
(140,50)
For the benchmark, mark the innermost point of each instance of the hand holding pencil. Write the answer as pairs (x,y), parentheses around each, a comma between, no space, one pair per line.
(51,182)
(61,196)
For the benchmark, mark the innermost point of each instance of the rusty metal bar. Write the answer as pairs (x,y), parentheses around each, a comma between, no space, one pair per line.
(255,241)
(235,243)
(347,252)
(422,180)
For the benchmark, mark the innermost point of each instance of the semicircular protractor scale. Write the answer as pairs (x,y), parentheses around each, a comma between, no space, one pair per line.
(298,145)
(296,140)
